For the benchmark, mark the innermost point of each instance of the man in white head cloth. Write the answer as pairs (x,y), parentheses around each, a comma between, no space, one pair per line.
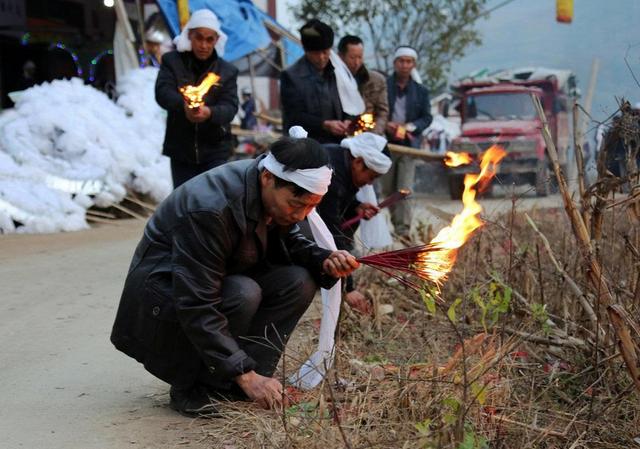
(197,139)
(409,115)
(358,161)
(222,275)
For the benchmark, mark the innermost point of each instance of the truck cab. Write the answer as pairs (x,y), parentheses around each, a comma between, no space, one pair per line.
(499,110)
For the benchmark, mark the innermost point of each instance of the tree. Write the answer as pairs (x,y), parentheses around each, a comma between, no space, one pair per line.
(440,30)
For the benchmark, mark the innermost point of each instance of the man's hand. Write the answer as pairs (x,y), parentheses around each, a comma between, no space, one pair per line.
(197,115)
(340,264)
(358,302)
(336,127)
(367,210)
(392,127)
(266,391)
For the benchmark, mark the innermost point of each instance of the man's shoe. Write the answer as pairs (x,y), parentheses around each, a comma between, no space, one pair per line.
(192,402)
(232,394)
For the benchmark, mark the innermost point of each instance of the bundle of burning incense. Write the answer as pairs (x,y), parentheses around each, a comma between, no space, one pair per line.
(194,95)
(390,200)
(405,264)
(434,261)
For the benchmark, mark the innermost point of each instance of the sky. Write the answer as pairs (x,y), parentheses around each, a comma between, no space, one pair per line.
(525,33)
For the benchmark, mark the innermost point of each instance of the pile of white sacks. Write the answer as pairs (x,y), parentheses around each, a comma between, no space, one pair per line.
(66,146)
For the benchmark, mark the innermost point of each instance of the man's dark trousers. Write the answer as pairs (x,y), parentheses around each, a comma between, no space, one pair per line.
(262,309)
(181,171)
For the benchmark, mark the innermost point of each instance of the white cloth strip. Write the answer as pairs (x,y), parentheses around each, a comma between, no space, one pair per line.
(314,180)
(314,370)
(405,51)
(350,99)
(374,232)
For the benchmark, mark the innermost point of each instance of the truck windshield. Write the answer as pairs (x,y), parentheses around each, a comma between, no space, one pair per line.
(486,107)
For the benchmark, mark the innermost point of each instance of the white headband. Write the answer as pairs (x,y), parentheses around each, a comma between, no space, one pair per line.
(405,51)
(202,18)
(314,180)
(369,147)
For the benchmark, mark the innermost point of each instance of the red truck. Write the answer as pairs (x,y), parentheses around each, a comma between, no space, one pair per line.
(498,109)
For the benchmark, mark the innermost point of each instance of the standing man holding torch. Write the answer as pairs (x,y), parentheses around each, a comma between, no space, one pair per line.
(309,89)
(197,138)
(371,84)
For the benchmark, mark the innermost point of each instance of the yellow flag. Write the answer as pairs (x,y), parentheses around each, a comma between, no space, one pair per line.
(564,11)
(183,12)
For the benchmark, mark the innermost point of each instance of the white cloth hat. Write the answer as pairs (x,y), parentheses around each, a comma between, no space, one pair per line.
(202,18)
(369,147)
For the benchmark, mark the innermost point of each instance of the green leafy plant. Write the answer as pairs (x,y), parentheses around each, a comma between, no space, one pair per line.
(493,305)
(471,440)
(541,316)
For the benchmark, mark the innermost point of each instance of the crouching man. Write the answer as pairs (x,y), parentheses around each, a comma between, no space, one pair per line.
(222,275)
(358,161)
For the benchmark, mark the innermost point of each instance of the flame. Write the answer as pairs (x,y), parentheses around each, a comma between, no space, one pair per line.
(435,265)
(364,123)
(452,159)
(194,95)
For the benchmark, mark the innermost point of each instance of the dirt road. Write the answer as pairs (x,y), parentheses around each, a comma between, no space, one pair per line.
(62,384)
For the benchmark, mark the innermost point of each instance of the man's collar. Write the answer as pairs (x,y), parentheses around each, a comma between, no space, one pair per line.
(312,70)
(362,75)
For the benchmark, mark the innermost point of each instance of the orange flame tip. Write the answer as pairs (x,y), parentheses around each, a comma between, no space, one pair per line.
(436,265)
(452,159)
(194,95)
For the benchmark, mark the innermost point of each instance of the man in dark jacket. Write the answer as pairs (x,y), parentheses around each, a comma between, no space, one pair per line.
(410,114)
(222,275)
(308,89)
(357,162)
(197,139)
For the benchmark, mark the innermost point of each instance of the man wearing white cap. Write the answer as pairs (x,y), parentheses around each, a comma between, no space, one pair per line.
(410,114)
(222,275)
(197,139)
(358,161)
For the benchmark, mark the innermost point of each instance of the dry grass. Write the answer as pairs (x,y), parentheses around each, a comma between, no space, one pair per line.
(401,380)
(517,363)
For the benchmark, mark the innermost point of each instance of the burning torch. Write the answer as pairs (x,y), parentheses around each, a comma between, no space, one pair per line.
(363,123)
(194,95)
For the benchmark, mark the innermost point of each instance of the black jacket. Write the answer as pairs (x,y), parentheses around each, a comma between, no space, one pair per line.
(208,228)
(302,89)
(202,142)
(339,203)
(418,105)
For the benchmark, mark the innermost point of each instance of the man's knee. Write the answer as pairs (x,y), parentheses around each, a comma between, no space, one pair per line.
(240,294)
(301,282)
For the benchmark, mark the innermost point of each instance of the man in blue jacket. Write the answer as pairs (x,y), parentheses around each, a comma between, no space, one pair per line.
(409,116)
(197,139)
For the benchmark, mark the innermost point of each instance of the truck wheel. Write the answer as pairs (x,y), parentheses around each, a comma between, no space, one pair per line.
(456,186)
(542,181)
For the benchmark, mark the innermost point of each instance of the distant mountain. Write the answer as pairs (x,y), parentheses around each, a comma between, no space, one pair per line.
(525,33)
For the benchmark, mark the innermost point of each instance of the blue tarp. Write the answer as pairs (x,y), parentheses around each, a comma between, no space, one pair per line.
(241,20)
